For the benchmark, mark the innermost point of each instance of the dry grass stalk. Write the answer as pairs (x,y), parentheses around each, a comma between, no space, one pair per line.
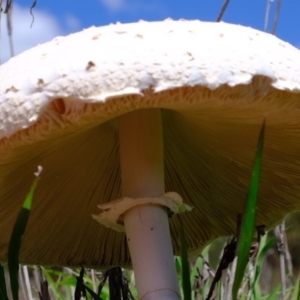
(279,235)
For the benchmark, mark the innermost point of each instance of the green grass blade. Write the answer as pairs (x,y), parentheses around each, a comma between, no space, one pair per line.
(296,292)
(92,293)
(275,293)
(53,286)
(15,241)
(247,228)
(3,291)
(185,268)
(261,256)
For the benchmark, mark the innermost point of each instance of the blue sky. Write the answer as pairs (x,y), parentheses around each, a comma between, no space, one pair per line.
(62,17)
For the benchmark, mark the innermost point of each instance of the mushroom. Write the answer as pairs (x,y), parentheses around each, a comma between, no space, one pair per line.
(146,120)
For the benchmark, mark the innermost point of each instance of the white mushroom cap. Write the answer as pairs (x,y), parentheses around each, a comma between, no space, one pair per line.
(100,63)
(215,83)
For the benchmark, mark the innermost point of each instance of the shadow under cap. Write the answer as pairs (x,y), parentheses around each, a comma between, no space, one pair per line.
(210,137)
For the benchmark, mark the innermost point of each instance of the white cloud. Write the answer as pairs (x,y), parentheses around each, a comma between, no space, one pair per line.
(133,6)
(44,28)
(114,5)
(72,23)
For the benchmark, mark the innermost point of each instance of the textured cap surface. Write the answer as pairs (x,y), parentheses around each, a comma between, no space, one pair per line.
(215,83)
(99,63)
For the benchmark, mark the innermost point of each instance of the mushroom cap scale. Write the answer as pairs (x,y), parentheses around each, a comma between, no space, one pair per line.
(214,82)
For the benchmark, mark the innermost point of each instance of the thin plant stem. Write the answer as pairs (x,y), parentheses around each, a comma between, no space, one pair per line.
(281,249)
(10,31)
(37,277)
(249,279)
(225,276)
(225,283)
(22,286)
(8,6)
(70,272)
(219,18)
(231,279)
(277,12)
(94,280)
(247,283)
(33,5)
(267,14)
(288,257)
(27,282)
(249,294)
(234,263)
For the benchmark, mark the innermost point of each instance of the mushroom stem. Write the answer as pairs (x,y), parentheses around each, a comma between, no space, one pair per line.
(147,228)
